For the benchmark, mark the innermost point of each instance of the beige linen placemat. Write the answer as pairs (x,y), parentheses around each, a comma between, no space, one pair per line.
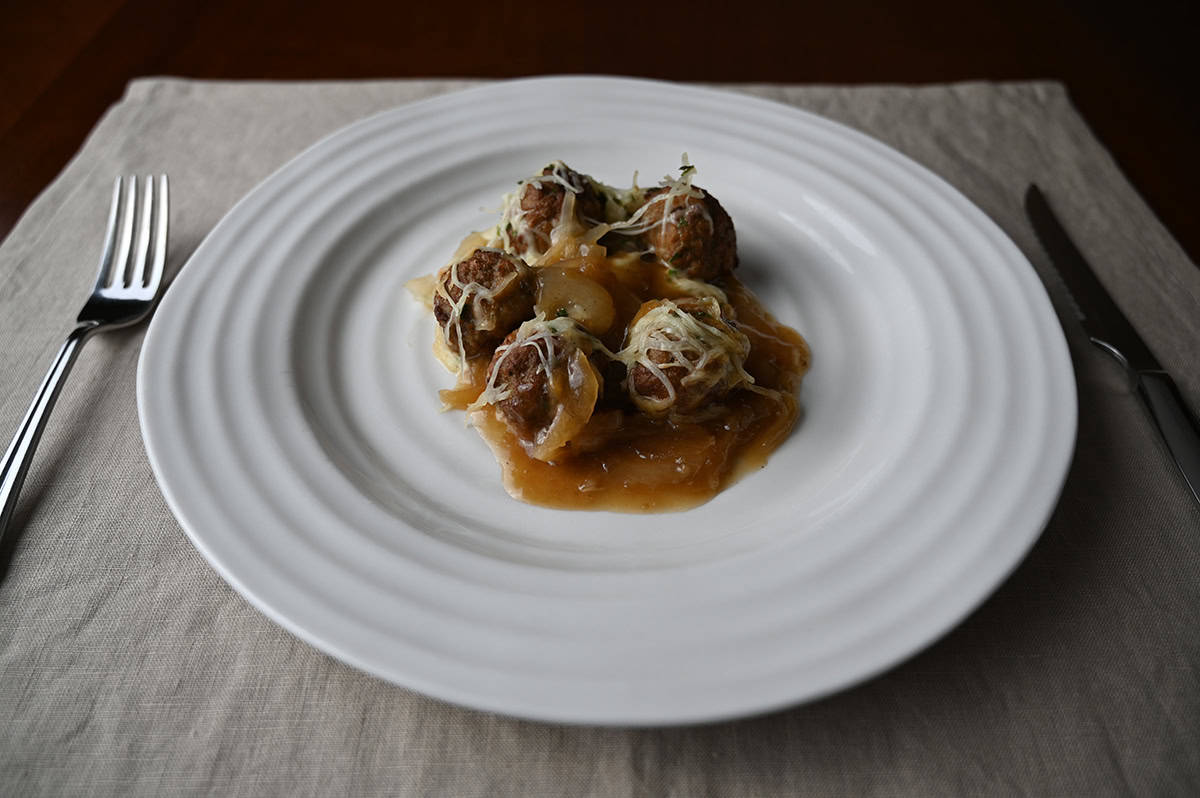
(128,667)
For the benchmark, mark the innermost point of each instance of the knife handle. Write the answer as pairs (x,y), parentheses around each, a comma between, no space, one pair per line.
(1176,423)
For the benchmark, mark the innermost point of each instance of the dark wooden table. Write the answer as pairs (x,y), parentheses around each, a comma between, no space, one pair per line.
(62,62)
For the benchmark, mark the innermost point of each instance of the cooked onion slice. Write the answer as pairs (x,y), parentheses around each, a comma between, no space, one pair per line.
(574,394)
(566,292)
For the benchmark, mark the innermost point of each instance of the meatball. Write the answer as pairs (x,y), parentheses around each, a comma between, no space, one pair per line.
(540,203)
(684,355)
(697,237)
(520,370)
(480,299)
(543,385)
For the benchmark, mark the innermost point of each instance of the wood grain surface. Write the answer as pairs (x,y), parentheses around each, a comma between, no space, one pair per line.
(1127,67)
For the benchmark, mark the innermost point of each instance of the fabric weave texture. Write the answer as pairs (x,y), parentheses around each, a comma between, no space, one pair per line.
(128,667)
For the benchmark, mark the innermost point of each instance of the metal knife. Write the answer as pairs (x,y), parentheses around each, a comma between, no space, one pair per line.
(1108,329)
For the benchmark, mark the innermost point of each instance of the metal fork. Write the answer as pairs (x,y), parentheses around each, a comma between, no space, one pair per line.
(126,289)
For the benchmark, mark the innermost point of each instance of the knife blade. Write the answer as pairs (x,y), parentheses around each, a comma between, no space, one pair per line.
(1109,329)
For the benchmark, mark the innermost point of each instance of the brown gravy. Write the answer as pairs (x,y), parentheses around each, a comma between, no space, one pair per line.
(628,462)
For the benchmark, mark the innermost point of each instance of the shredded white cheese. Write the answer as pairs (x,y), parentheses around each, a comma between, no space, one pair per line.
(541,334)
(701,345)
(678,190)
(477,294)
(514,231)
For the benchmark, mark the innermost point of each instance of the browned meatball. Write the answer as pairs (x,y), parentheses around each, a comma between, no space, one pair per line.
(544,384)
(686,354)
(480,299)
(541,202)
(519,368)
(697,237)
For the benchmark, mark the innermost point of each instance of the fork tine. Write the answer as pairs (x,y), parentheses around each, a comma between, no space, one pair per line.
(117,268)
(137,273)
(110,236)
(161,216)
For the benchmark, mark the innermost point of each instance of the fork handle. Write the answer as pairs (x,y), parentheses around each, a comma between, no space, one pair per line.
(20,451)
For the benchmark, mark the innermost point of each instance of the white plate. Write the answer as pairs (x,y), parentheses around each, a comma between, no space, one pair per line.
(288,402)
